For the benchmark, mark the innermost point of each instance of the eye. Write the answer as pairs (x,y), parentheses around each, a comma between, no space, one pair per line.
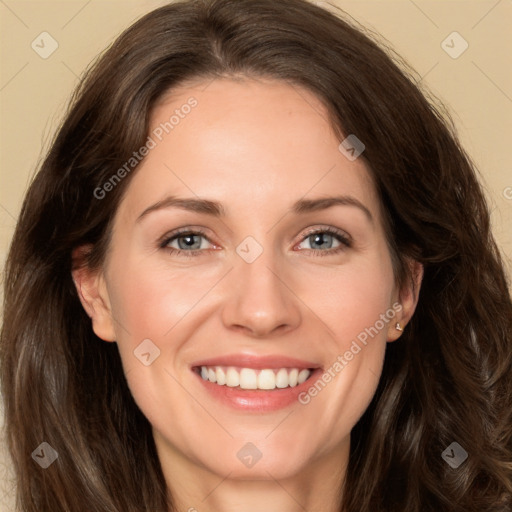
(322,241)
(186,242)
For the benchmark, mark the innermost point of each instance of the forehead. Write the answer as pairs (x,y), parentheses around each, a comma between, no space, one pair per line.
(250,144)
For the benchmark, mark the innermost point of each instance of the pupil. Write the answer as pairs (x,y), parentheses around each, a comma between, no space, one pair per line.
(319,237)
(188,240)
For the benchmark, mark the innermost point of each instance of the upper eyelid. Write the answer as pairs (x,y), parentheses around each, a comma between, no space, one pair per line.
(182,232)
(329,229)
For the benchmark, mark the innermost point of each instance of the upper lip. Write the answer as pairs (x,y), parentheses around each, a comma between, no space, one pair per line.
(256,362)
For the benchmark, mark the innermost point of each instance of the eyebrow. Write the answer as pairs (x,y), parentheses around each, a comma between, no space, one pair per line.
(215,209)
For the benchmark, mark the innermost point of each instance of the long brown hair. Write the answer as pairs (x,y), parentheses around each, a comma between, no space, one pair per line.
(449,379)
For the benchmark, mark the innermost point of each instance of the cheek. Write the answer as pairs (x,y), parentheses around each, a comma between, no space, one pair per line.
(148,301)
(155,312)
(351,299)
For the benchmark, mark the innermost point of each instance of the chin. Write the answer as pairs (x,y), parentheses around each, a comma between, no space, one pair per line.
(244,460)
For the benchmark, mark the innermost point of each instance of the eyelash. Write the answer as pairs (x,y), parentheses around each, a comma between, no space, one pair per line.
(344,240)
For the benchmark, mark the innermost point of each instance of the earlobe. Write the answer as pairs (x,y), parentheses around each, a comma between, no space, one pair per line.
(408,298)
(93,295)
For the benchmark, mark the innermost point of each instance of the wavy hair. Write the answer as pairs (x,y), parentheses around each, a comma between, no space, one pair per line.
(448,379)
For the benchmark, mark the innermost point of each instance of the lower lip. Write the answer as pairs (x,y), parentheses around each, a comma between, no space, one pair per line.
(258,400)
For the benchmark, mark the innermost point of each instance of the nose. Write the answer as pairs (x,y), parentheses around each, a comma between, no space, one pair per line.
(259,300)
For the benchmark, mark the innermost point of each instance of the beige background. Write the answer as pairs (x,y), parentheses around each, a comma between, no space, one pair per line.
(476,86)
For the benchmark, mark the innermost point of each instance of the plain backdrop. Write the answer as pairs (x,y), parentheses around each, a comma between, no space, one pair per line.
(475,85)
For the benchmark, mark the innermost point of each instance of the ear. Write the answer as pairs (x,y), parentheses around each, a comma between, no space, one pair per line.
(407,298)
(93,294)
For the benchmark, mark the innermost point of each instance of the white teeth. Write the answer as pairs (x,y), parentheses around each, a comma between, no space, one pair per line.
(220,374)
(212,376)
(267,379)
(248,378)
(292,377)
(303,375)
(232,378)
(282,378)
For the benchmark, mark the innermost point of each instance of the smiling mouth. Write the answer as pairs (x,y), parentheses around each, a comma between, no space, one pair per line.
(250,378)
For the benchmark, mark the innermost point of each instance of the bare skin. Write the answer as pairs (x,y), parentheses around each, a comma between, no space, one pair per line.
(256,147)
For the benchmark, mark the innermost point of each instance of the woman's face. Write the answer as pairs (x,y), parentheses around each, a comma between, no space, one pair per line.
(281,272)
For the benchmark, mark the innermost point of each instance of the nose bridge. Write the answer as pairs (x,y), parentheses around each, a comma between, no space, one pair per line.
(258,298)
